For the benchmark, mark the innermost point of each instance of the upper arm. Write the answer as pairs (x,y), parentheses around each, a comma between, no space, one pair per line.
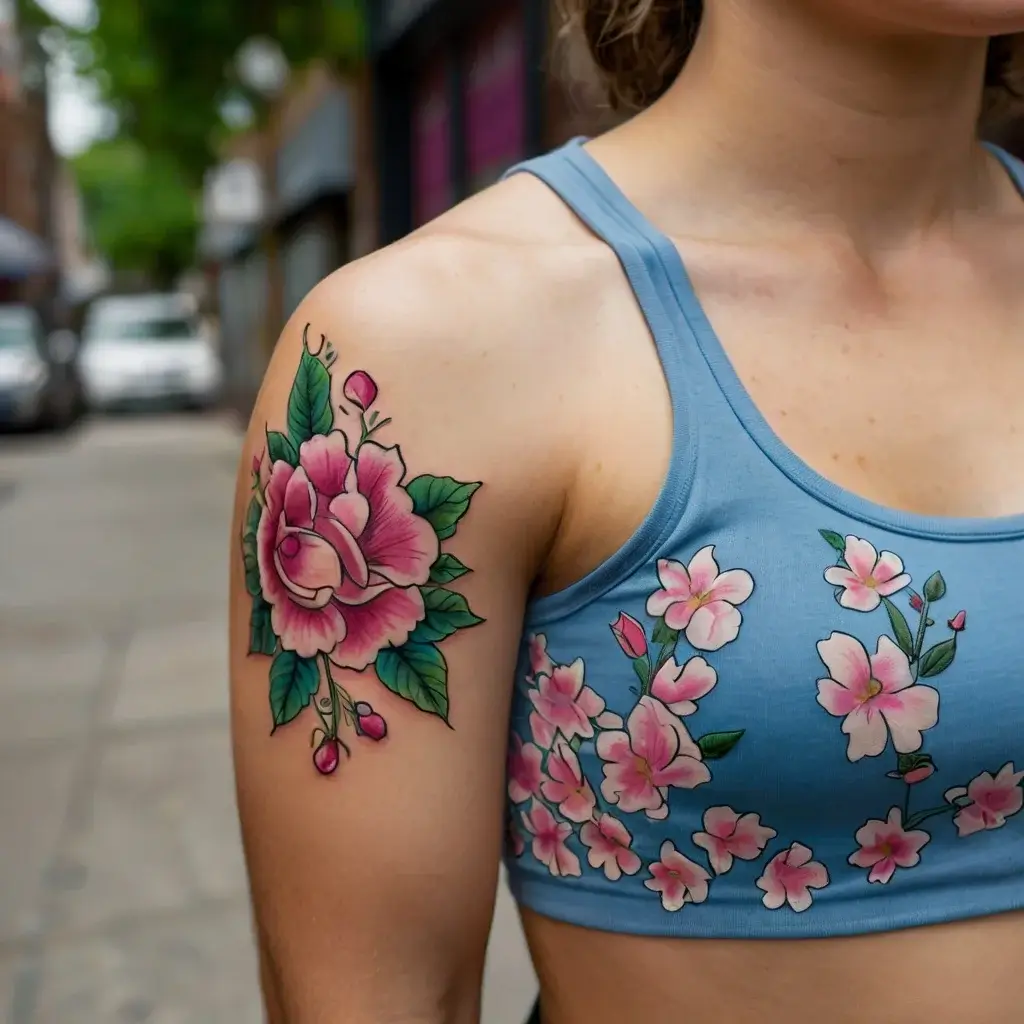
(386,535)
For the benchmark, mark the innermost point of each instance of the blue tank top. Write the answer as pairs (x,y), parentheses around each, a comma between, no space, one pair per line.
(780,710)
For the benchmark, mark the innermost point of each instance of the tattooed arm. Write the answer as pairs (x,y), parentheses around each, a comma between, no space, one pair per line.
(397,492)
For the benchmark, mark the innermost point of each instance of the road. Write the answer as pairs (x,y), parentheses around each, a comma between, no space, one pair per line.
(122,886)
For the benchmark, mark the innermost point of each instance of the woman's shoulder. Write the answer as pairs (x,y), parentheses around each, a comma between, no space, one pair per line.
(505,272)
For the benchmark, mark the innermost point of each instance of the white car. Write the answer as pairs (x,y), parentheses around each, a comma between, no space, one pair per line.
(148,349)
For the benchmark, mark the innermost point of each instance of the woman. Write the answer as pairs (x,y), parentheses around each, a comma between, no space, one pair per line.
(785,785)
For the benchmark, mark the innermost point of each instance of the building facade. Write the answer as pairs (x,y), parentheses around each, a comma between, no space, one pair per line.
(462,90)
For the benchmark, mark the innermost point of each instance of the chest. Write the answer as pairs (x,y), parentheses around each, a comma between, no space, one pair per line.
(908,395)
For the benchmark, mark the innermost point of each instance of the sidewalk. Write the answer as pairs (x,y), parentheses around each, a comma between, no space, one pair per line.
(122,888)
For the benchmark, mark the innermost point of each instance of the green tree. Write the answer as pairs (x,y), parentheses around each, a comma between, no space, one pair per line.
(166,68)
(140,209)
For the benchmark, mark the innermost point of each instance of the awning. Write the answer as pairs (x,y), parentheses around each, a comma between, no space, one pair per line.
(21,252)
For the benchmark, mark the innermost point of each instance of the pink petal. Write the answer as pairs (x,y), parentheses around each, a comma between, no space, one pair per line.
(307,632)
(717,849)
(613,745)
(590,703)
(860,556)
(734,586)
(565,680)
(882,871)
(836,699)
(542,730)
(299,500)
(713,626)
(888,569)
(840,576)
(386,621)
(652,732)
(683,773)
(675,579)
(914,710)
(679,614)
(750,837)
(859,598)
(397,543)
(867,732)
(308,566)
(347,548)
(797,855)
(891,667)
(352,510)
(540,663)
(694,680)
(326,462)
(703,570)
(846,661)
(720,821)
(564,766)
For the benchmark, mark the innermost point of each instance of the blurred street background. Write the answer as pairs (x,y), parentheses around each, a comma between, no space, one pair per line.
(175,175)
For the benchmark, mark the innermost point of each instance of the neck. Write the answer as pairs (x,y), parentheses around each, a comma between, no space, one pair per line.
(825,122)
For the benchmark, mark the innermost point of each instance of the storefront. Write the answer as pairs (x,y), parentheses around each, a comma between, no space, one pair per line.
(460,95)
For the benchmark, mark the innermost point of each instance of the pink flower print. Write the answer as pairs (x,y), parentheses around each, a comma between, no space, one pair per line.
(654,753)
(608,843)
(524,770)
(874,696)
(991,800)
(549,836)
(566,786)
(540,663)
(886,846)
(789,878)
(678,879)
(630,636)
(959,622)
(700,600)
(563,704)
(728,834)
(679,688)
(341,553)
(869,578)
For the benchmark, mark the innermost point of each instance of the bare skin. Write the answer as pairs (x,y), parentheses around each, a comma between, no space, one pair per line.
(859,257)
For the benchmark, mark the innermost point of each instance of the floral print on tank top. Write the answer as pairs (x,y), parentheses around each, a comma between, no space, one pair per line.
(883,702)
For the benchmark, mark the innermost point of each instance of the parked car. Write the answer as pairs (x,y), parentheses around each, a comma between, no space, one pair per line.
(145,350)
(39,384)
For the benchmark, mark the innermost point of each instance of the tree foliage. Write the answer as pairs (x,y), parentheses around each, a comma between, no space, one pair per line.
(166,68)
(141,210)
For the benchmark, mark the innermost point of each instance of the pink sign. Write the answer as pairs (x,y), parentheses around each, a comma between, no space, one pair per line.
(495,98)
(431,144)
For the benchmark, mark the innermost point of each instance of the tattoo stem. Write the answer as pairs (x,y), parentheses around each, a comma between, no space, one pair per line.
(919,639)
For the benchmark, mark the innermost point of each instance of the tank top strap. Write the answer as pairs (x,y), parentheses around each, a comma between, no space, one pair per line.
(648,258)
(1014,166)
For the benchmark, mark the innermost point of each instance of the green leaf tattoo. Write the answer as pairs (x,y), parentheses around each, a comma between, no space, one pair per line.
(418,673)
(715,745)
(280,448)
(938,658)
(447,613)
(900,628)
(447,569)
(261,633)
(346,501)
(293,682)
(442,501)
(309,405)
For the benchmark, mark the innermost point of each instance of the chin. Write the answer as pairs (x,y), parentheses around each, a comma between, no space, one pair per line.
(968,18)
